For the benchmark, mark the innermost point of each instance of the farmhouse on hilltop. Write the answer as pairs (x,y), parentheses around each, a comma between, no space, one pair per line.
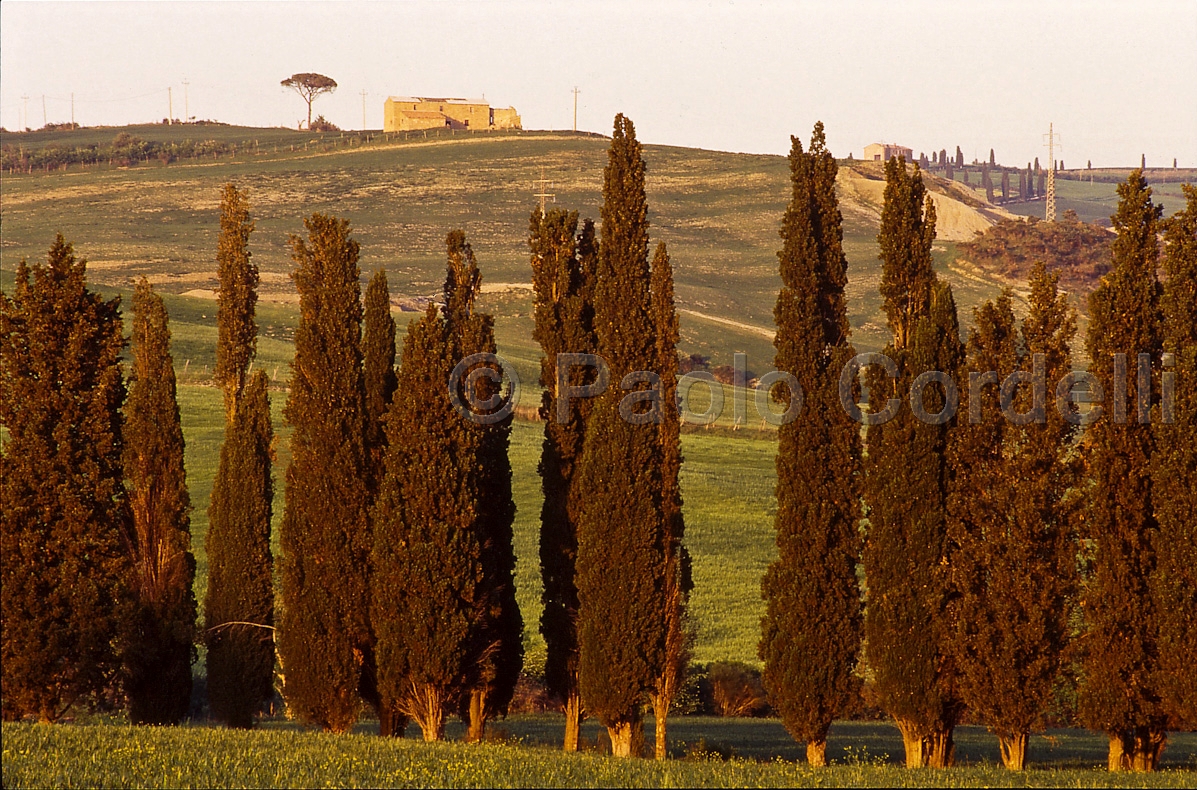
(883,152)
(405,113)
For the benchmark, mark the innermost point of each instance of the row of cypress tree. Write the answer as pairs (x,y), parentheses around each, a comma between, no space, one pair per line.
(95,515)
(979,532)
(398,570)
(615,569)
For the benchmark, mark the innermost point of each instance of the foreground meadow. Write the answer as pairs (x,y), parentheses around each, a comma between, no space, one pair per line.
(281,756)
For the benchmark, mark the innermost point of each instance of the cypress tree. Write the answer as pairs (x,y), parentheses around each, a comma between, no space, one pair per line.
(959,157)
(442,594)
(378,352)
(678,581)
(236,298)
(239,607)
(1041,187)
(423,544)
(324,629)
(162,645)
(907,230)
(992,159)
(495,653)
(1120,658)
(1005,185)
(811,631)
(1012,552)
(905,484)
(563,280)
(64,521)
(620,531)
(1174,475)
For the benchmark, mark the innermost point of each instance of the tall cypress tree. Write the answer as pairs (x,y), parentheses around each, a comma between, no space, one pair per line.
(324,629)
(811,631)
(678,580)
(378,352)
(620,531)
(162,646)
(905,483)
(239,606)
(236,298)
(1118,696)
(1174,475)
(1012,553)
(443,601)
(424,549)
(64,523)
(907,230)
(563,281)
(495,653)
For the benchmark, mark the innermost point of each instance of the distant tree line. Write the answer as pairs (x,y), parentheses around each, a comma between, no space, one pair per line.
(968,551)
(124,150)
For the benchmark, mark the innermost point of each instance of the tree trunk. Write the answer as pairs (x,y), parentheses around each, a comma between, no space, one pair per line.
(1140,750)
(816,753)
(660,714)
(1014,751)
(1116,760)
(621,739)
(573,720)
(427,707)
(913,742)
(940,749)
(477,716)
(392,723)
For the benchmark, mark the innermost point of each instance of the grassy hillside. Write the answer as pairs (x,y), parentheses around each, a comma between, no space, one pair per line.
(719,212)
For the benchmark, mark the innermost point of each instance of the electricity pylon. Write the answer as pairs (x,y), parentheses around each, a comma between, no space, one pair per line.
(1051,173)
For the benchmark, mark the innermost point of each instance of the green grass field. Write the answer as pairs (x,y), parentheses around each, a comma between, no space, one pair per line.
(711,752)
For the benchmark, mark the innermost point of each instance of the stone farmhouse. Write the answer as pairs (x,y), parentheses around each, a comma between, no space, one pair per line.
(883,152)
(405,113)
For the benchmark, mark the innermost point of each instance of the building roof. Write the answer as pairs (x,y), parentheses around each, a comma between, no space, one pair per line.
(442,100)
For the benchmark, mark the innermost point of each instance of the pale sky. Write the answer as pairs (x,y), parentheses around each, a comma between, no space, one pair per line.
(1118,79)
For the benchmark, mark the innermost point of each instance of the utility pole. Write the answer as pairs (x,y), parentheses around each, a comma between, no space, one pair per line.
(576,92)
(25,122)
(170,107)
(72,109)
(543,185)
(1051,173)
(363,110)
(44,121)
(186,103)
